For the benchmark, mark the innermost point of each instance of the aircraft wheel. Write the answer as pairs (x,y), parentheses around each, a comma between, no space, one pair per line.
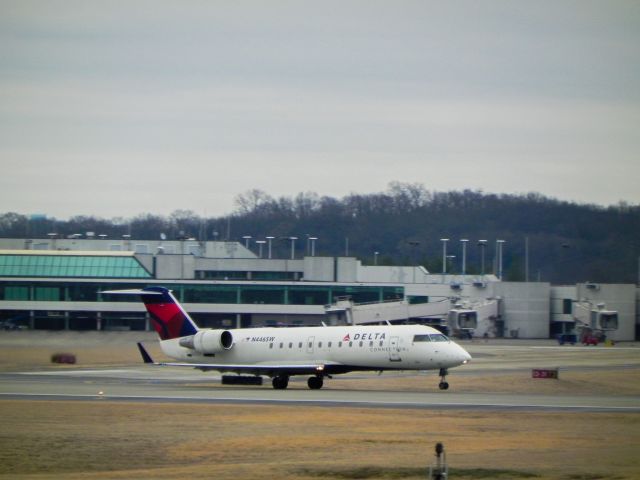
(280,383)
(443,385)
(315,383)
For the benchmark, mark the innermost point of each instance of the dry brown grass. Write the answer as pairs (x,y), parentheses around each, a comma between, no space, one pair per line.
(572,382)
(105,440)
(32,350)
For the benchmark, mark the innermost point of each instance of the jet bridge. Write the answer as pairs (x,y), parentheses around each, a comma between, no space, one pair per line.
(593,319)
(480,317)
(345,311)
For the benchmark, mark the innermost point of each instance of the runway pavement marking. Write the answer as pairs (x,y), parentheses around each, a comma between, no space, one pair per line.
(72,372)
(589,348)
(320,402)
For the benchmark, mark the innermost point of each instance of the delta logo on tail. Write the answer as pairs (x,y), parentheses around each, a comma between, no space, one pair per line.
(169,320)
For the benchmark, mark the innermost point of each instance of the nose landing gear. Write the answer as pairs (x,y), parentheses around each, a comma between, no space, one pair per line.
(444,385)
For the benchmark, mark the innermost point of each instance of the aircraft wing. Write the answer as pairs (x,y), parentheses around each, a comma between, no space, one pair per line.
(253,369)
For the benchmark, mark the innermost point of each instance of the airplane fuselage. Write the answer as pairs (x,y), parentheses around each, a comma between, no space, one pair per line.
(282,352)
(383,347)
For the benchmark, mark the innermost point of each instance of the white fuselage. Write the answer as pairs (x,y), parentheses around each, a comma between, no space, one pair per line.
(381,347)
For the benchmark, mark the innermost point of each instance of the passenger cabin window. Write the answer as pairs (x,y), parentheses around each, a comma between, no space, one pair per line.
(329,344)
(290,344)
(281,344)
(271,345)
(300,345)
(360,342)
(351,344)
(319,344)
(438,337)
(421,338)
(371,343)
(339,344)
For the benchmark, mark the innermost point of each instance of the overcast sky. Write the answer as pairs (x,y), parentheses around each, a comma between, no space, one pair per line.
(117,108)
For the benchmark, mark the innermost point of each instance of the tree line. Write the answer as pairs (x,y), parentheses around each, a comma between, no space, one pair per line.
(564,242)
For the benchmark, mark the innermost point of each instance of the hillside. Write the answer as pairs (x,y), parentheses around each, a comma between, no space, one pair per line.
(568,242)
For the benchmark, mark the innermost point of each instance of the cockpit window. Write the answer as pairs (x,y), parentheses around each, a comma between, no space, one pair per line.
(438,337)
(421,338)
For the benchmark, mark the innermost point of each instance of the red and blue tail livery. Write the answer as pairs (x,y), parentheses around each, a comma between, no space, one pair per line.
(168,317)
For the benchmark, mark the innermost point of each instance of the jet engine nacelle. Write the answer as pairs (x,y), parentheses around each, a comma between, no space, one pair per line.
(208,341)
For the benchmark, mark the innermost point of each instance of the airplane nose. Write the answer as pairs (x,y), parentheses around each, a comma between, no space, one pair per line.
(463,356)
(466,357)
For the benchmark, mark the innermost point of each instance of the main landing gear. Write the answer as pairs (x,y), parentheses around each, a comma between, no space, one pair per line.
(443,377)
(282,381)
(315,383)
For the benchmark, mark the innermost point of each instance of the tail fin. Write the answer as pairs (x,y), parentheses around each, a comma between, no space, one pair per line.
(168,317)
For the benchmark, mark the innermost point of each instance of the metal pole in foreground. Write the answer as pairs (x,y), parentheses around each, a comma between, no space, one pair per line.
(440,471)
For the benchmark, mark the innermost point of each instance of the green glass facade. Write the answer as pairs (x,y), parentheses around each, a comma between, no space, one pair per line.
(264,276)
(76,266)
(199,293)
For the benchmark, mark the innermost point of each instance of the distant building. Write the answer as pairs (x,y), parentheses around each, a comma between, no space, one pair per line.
(56,283)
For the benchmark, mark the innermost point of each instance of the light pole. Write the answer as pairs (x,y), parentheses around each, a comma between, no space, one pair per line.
(414,244)
(526,259)
(269,246)
(375,258)
(499,244)
(246,241)
(451,257)
(464,255)
(293,246)
(313,245)
(260,244)
(483,245)
(444,255)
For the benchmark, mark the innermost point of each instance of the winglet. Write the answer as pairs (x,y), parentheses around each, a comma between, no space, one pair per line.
(145,355)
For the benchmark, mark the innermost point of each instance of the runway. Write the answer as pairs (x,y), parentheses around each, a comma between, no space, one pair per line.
(150,385)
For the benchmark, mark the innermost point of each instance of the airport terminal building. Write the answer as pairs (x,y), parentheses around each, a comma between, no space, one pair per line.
(57,283)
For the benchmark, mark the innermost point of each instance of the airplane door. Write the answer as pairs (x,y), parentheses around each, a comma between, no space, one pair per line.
(394,350)
(310,342)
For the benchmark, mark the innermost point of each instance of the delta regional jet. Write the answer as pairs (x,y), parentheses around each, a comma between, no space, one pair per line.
(281,352)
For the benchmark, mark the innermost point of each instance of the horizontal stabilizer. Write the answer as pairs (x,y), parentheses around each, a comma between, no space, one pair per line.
(131,292)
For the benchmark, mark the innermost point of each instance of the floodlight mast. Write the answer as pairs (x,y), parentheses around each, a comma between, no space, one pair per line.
(482,244)
(313,245)
(269,239)
(464,255)
(499,244)
(293,246)
(444,255)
